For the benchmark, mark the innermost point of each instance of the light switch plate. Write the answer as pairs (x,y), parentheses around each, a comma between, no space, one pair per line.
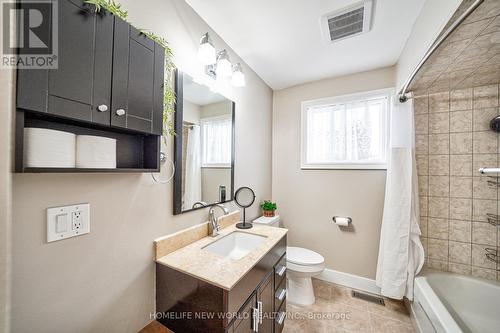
(67,221)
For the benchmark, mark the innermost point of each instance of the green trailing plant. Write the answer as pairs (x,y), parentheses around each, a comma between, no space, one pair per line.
(115,8)
(268,205)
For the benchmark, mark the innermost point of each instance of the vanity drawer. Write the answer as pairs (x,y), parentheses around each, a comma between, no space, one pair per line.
(279,271)
(279,319)
(279,295)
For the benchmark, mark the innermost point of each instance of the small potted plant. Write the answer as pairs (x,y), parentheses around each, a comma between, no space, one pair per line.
(268,207)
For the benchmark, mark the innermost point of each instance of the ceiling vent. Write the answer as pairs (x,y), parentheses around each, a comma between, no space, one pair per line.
(348,22)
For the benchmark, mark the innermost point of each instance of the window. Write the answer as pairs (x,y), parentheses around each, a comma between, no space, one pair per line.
(216,141)
(346,132)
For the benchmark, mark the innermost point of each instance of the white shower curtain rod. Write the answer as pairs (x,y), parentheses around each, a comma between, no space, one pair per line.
(403,94)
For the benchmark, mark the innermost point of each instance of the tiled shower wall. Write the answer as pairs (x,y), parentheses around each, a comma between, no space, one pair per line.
(453,141)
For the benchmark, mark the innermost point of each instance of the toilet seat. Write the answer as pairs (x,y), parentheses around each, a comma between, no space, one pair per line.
(298,256)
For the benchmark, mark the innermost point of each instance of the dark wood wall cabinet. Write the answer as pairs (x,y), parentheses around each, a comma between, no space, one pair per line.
(257,303)
(109,82)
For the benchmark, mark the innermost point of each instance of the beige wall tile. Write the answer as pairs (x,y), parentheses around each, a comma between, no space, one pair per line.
(437,228)
(469,30)
(482,117)
(483,273)
(439,186)
(422,165)
(461,99)
(483,161)
(485,97)
(439,165)
(485,142)
(439,102)
(424,245)
(461,121)
(439,207)
(461,143)
(437,264)
(482,190)
(423,185)
(460,230)
(422,144)
(423,222)
(438,249)
(421,104)
(461,165)
(439,144)
(460,252)
(424,205)
(460,268)
(482,207)
(484,233)
(439,122)
(461,187)
(421,123)
(460,209)
(479,257)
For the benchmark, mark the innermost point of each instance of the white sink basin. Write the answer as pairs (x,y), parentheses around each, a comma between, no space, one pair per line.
(235,245)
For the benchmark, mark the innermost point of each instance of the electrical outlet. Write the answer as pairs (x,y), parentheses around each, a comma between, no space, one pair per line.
(67,221)
(76,220)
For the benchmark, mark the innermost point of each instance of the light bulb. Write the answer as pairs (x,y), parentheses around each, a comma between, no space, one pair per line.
(206,51)
(238,79)
(224,66)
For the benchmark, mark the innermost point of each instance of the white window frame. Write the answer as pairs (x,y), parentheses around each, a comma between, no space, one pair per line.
(202,144)
(378,165)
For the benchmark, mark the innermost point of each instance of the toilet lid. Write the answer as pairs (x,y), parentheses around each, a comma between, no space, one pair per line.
(301,256)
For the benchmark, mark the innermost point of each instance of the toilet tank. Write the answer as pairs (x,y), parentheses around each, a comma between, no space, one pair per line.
(270,221)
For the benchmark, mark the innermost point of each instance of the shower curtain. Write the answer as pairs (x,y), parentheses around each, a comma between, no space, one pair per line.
(401,254)
(192,190)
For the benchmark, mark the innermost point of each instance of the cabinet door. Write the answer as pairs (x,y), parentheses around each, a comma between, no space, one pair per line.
(265,301)
(82,81)
(245,322)
(137,90)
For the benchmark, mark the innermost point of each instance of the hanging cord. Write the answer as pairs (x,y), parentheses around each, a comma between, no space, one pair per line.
(163,159)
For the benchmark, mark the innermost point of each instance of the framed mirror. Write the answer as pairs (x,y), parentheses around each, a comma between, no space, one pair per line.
(204,146)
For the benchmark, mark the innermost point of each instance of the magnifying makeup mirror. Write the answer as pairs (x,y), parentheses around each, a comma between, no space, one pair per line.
(244,198)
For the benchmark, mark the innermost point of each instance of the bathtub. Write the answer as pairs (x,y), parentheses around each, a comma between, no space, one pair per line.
(452,303)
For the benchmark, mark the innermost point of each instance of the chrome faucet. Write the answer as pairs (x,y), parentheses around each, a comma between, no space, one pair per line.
(214,221)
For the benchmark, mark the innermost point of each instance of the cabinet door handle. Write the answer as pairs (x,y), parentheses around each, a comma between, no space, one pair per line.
(281,295)
(281,270)
(102,108)
(120,112)
(281,318)
(255,320)
(259,306)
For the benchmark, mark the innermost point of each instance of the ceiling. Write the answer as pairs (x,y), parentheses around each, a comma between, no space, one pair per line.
(282,41)
(469,57)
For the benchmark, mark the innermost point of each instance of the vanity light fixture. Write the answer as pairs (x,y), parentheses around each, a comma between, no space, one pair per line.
(224,67)
(238,79)
(206,51)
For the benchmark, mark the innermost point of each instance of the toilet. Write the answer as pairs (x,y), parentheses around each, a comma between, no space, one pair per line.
(301,264)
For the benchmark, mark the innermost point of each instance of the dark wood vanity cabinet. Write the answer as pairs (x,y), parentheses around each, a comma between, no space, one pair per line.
(187,304)
(108,73)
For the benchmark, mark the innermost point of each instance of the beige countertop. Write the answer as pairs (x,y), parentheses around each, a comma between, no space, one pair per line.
(222,272)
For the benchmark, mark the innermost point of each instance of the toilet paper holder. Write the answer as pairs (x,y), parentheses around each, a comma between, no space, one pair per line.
(349,220)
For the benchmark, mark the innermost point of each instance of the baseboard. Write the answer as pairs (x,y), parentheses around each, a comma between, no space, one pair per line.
(350,280)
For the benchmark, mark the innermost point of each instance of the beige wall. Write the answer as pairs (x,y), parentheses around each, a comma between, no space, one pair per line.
(307,199)
(453,142)
(6,107)
(104,281)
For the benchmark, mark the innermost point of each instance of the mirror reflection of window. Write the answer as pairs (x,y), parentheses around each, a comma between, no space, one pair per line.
(216,141)
(207,139)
